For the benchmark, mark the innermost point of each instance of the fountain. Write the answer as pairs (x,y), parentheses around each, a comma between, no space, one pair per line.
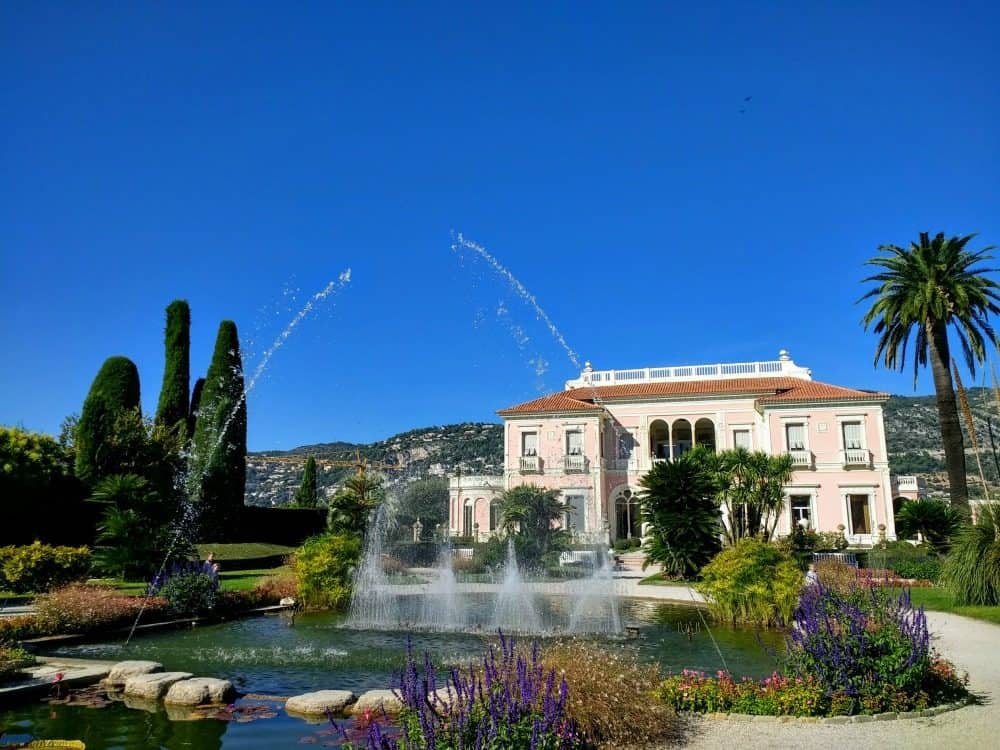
(507,602)
(440,607)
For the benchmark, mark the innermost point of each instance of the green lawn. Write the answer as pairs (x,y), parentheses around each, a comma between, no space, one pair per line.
(939,600)
(244,551)
(233,580)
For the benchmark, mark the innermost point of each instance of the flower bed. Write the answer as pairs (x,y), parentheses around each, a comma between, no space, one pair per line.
(509,701)
(863,651)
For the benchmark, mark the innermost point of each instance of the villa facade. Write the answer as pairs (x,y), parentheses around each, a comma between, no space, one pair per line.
(597,438)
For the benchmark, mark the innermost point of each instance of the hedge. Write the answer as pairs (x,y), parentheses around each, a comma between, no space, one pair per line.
(38,567)
(288,526)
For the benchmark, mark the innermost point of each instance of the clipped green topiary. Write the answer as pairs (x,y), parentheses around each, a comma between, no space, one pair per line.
(173,405)
(217,477)
(115,389)
(199,386)
(305,495)
(753,583)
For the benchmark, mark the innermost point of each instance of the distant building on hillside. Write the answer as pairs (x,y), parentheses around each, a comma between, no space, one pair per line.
(598,437)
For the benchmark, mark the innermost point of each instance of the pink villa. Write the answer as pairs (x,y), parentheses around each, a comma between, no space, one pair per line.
(596,439)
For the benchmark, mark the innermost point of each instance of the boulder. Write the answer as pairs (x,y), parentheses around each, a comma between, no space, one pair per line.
(141,704)
(153,686)
(319,702)
(123,670)
(378,701)
(198,691)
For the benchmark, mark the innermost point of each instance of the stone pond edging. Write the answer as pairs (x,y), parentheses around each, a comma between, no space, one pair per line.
(831,720)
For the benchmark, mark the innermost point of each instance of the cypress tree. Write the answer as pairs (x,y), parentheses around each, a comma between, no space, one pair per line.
(306,496)
(173,405)
(115,389)
(199,385)
(219,446)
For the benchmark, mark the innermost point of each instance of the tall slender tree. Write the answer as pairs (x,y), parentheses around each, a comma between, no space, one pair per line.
(173,405)
(306,495)
(199,386)
(114,391)
(217,468)
(921,293)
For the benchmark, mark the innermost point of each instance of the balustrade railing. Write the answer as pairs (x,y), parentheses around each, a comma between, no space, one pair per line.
(856,457)
(723,370)
(801,459)
(531,464)
(575,464)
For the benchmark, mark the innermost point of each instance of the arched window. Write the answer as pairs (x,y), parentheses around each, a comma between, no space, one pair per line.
(628,523)
(467,518)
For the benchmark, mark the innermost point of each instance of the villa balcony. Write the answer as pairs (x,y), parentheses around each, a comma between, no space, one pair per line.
(856,458)
(531,464)
(801,459)
(575,464)
(911,486)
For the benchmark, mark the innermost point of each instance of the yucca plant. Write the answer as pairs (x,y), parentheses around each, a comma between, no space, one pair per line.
(972,569)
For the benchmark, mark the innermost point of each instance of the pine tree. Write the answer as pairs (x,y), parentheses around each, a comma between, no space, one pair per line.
(217,477)
(173,405)
(305,496)
(115,390)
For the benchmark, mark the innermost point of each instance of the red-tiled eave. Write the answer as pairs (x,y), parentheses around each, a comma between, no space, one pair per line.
(556,402)
(811,390)
(767,391)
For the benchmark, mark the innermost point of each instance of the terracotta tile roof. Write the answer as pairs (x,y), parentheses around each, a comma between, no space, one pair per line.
(556,402)
(767,390)
(811,390)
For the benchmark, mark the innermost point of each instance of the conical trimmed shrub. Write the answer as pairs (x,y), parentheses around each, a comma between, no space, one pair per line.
(115,389)
(217,477)
(173,405)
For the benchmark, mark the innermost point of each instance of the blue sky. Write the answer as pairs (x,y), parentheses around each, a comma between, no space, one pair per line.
(242,156)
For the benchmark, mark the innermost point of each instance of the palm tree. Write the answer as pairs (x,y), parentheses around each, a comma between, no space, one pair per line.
(353,503)
(531,515)
(133,533)
(751,490)
(680,513)
(922,291)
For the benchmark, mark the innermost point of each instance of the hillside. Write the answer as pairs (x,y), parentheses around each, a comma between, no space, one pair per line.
(472,447)
(911,426)
(913,437)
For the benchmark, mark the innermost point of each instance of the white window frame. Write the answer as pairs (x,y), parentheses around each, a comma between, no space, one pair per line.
(524,441)
(811,503)
(845,508)
(575,431)
(742,428)
(812,490)
(858,419)
(788,421)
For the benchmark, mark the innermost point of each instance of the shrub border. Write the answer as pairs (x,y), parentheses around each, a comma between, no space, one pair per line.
(834,720)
